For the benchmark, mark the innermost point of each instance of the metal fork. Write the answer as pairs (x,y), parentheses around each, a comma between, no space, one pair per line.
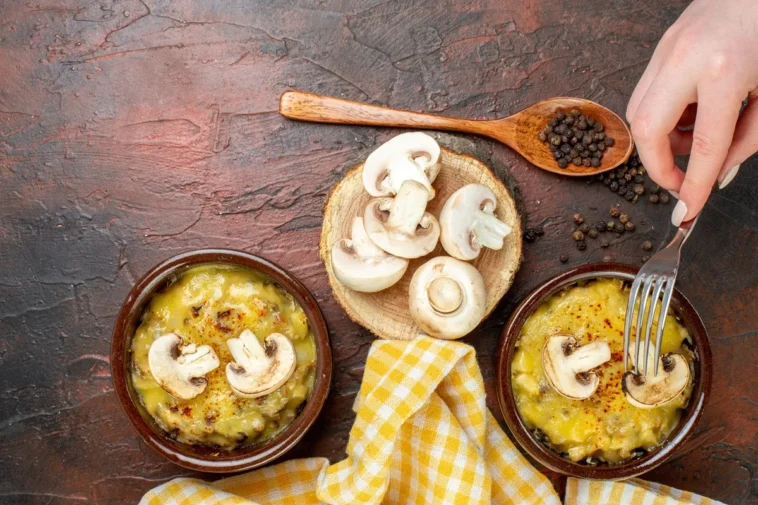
(657,275)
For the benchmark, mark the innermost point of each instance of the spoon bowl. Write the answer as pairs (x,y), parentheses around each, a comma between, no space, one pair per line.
(518,131)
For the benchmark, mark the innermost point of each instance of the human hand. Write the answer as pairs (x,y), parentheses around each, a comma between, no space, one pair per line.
(700,73)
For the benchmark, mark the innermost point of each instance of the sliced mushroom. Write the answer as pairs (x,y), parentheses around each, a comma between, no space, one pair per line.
(567,366)
(468,222)
(447,297)
(650,391)
(180,369)
(409,156)
(360,265)
(401,226)
(259,370)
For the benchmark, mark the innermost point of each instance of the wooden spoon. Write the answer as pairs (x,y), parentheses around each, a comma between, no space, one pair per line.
(519,131)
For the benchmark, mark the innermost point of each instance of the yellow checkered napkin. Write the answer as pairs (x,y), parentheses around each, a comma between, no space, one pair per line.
(422,434)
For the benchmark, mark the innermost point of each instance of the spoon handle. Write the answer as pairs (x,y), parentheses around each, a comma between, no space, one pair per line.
(323,109)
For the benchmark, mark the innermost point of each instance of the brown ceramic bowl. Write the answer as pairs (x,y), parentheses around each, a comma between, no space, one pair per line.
(205,458)
(683,310)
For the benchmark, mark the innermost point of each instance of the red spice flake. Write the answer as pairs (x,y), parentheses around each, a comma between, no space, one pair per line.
(221,315)
(187,411)
(222,327)
(617,356)
(608,323)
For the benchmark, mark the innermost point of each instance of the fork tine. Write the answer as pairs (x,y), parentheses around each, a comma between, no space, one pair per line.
(661,281)
(629,315)
(662,320)
(640,315)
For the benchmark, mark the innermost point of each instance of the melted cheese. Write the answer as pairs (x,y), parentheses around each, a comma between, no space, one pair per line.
(208,305)
(605,426)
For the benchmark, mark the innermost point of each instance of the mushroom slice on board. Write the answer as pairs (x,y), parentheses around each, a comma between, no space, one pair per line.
(259,369)
(468,222)
(650,391)
(401,226)
(360,265)
(180,369)
(568,366)
(410,156)
(447,297)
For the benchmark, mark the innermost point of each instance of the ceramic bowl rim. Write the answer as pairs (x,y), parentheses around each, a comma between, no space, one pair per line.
(203,458)
(631,468)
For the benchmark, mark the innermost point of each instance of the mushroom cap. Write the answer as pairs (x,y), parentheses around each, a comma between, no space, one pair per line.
(408,156)
(650,391)
(447,297)
(178,369)
(360,265)
(567,366)
(400,226)
(257,369)
(467,222)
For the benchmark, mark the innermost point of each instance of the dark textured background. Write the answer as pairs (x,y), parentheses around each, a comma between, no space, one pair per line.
(131,131)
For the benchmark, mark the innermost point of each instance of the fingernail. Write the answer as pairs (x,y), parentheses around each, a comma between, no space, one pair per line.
(728,177)
(674,194)
(679,212)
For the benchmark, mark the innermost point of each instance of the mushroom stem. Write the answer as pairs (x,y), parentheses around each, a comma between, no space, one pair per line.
(588,357)
(489,230)
(406,169)
(407,208)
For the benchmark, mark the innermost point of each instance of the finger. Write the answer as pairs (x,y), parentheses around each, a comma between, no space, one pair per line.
(681,141)
(653,66)
(656,117)
(744,143)
(718,111)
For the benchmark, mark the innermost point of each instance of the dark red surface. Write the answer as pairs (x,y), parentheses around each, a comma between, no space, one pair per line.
(132,131)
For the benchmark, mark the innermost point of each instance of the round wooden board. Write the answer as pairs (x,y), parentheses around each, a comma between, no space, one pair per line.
(386,313)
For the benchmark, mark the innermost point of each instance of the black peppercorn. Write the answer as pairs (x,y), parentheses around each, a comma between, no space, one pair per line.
(656,189)
(587,140)
(609,141)
(600,226)
(623,217)
(566,148)
(600,136)
(574,141)
(614,186)
(647,245)
(581,245)
(628,177)
(629,196)
(599,127)
(664,197)
(578,235)
(558,154)
(574,153)
(574,112)
(619,229)
(560,116)
(577,161)
(553,122)
(595,162)
(601,146)
(592,233)
(653,198)
(563,162)
(590,122)
(582,124)
(622,189)
(629,226)
(584,228)
(639,189)
(556,140)
(639,179)
(587,162)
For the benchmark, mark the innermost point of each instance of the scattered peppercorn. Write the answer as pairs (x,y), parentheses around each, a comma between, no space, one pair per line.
(629,195)
(629,226)
(623,217)
(610,225)
(606,259)
(532,234)
(653,198)
(584,228)
(600,225)
(664,197)
(581,245)
(578,236)
(564,258)
(604,243)
(638,189)
(647,245)
(578,219)
(592,233)
(645,258)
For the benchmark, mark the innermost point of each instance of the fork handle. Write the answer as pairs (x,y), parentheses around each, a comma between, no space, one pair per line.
(683,233)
